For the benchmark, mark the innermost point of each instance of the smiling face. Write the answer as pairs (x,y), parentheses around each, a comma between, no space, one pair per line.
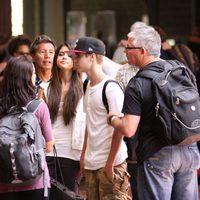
(64,61)
(43,57)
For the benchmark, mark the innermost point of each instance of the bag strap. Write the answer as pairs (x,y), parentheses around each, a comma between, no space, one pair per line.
(104,99)
(56,161)
(33,105)
(152,73)
(85,83)
(169,66)
(149,74)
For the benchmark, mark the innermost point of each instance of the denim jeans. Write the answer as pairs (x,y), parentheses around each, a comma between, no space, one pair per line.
(170,174)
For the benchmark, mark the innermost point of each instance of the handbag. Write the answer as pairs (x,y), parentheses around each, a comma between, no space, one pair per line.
(58,190)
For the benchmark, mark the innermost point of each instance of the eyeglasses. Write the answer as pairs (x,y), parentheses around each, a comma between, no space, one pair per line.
(127,48)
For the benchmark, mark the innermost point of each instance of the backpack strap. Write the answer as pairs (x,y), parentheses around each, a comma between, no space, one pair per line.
(151,73)
(174,63)
(104,99)
(33,105)
(85,83)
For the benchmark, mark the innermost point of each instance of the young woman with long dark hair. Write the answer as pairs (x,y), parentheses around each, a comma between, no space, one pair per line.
(65,102)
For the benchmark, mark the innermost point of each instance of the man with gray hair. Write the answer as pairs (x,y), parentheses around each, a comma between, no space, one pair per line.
(164,171)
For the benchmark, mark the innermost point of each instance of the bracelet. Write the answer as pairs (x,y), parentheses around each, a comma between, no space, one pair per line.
(111,118)
(114,117)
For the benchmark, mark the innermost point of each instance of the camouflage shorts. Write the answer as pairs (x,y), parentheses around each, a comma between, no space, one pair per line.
(98,187)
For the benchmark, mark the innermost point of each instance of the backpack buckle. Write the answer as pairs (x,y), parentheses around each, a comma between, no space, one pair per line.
(157,109)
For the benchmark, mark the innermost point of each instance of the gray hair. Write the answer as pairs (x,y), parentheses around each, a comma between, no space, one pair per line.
(148,38)
(137,24)
(41,39)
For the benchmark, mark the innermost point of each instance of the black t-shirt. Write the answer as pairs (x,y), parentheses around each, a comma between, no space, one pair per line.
(139,100)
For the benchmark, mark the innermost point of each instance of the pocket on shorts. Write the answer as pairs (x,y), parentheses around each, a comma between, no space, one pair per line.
(105,178)
(195,156)
(121,178)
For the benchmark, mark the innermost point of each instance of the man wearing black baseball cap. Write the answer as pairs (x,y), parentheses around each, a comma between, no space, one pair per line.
(89,45)
(104,153)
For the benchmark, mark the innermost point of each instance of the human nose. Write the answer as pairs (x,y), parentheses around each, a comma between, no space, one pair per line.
(47,54)
(65,57)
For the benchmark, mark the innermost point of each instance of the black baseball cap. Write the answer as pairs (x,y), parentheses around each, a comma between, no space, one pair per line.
(89,45)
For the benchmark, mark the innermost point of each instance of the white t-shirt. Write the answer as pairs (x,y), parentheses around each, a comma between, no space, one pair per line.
(44,85)
(99,132)
(65,134)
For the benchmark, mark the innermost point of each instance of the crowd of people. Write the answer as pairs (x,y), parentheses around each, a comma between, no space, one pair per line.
(85,138)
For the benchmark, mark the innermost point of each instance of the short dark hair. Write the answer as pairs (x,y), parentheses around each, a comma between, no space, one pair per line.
(16,42)
(40,39)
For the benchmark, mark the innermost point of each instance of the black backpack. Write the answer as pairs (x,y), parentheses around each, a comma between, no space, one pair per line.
(21,146)
(177,101)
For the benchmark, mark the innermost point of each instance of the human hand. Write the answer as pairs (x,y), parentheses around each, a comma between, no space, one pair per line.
(82,165)
(49,145)
(109,172)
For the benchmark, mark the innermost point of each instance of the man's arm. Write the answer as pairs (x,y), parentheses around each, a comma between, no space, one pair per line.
(83,152)
(126,125)
(115,145)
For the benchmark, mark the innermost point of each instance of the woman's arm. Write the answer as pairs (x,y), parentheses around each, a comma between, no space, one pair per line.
(45,123)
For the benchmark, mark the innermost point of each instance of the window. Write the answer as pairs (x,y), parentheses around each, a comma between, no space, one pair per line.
(17,17)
